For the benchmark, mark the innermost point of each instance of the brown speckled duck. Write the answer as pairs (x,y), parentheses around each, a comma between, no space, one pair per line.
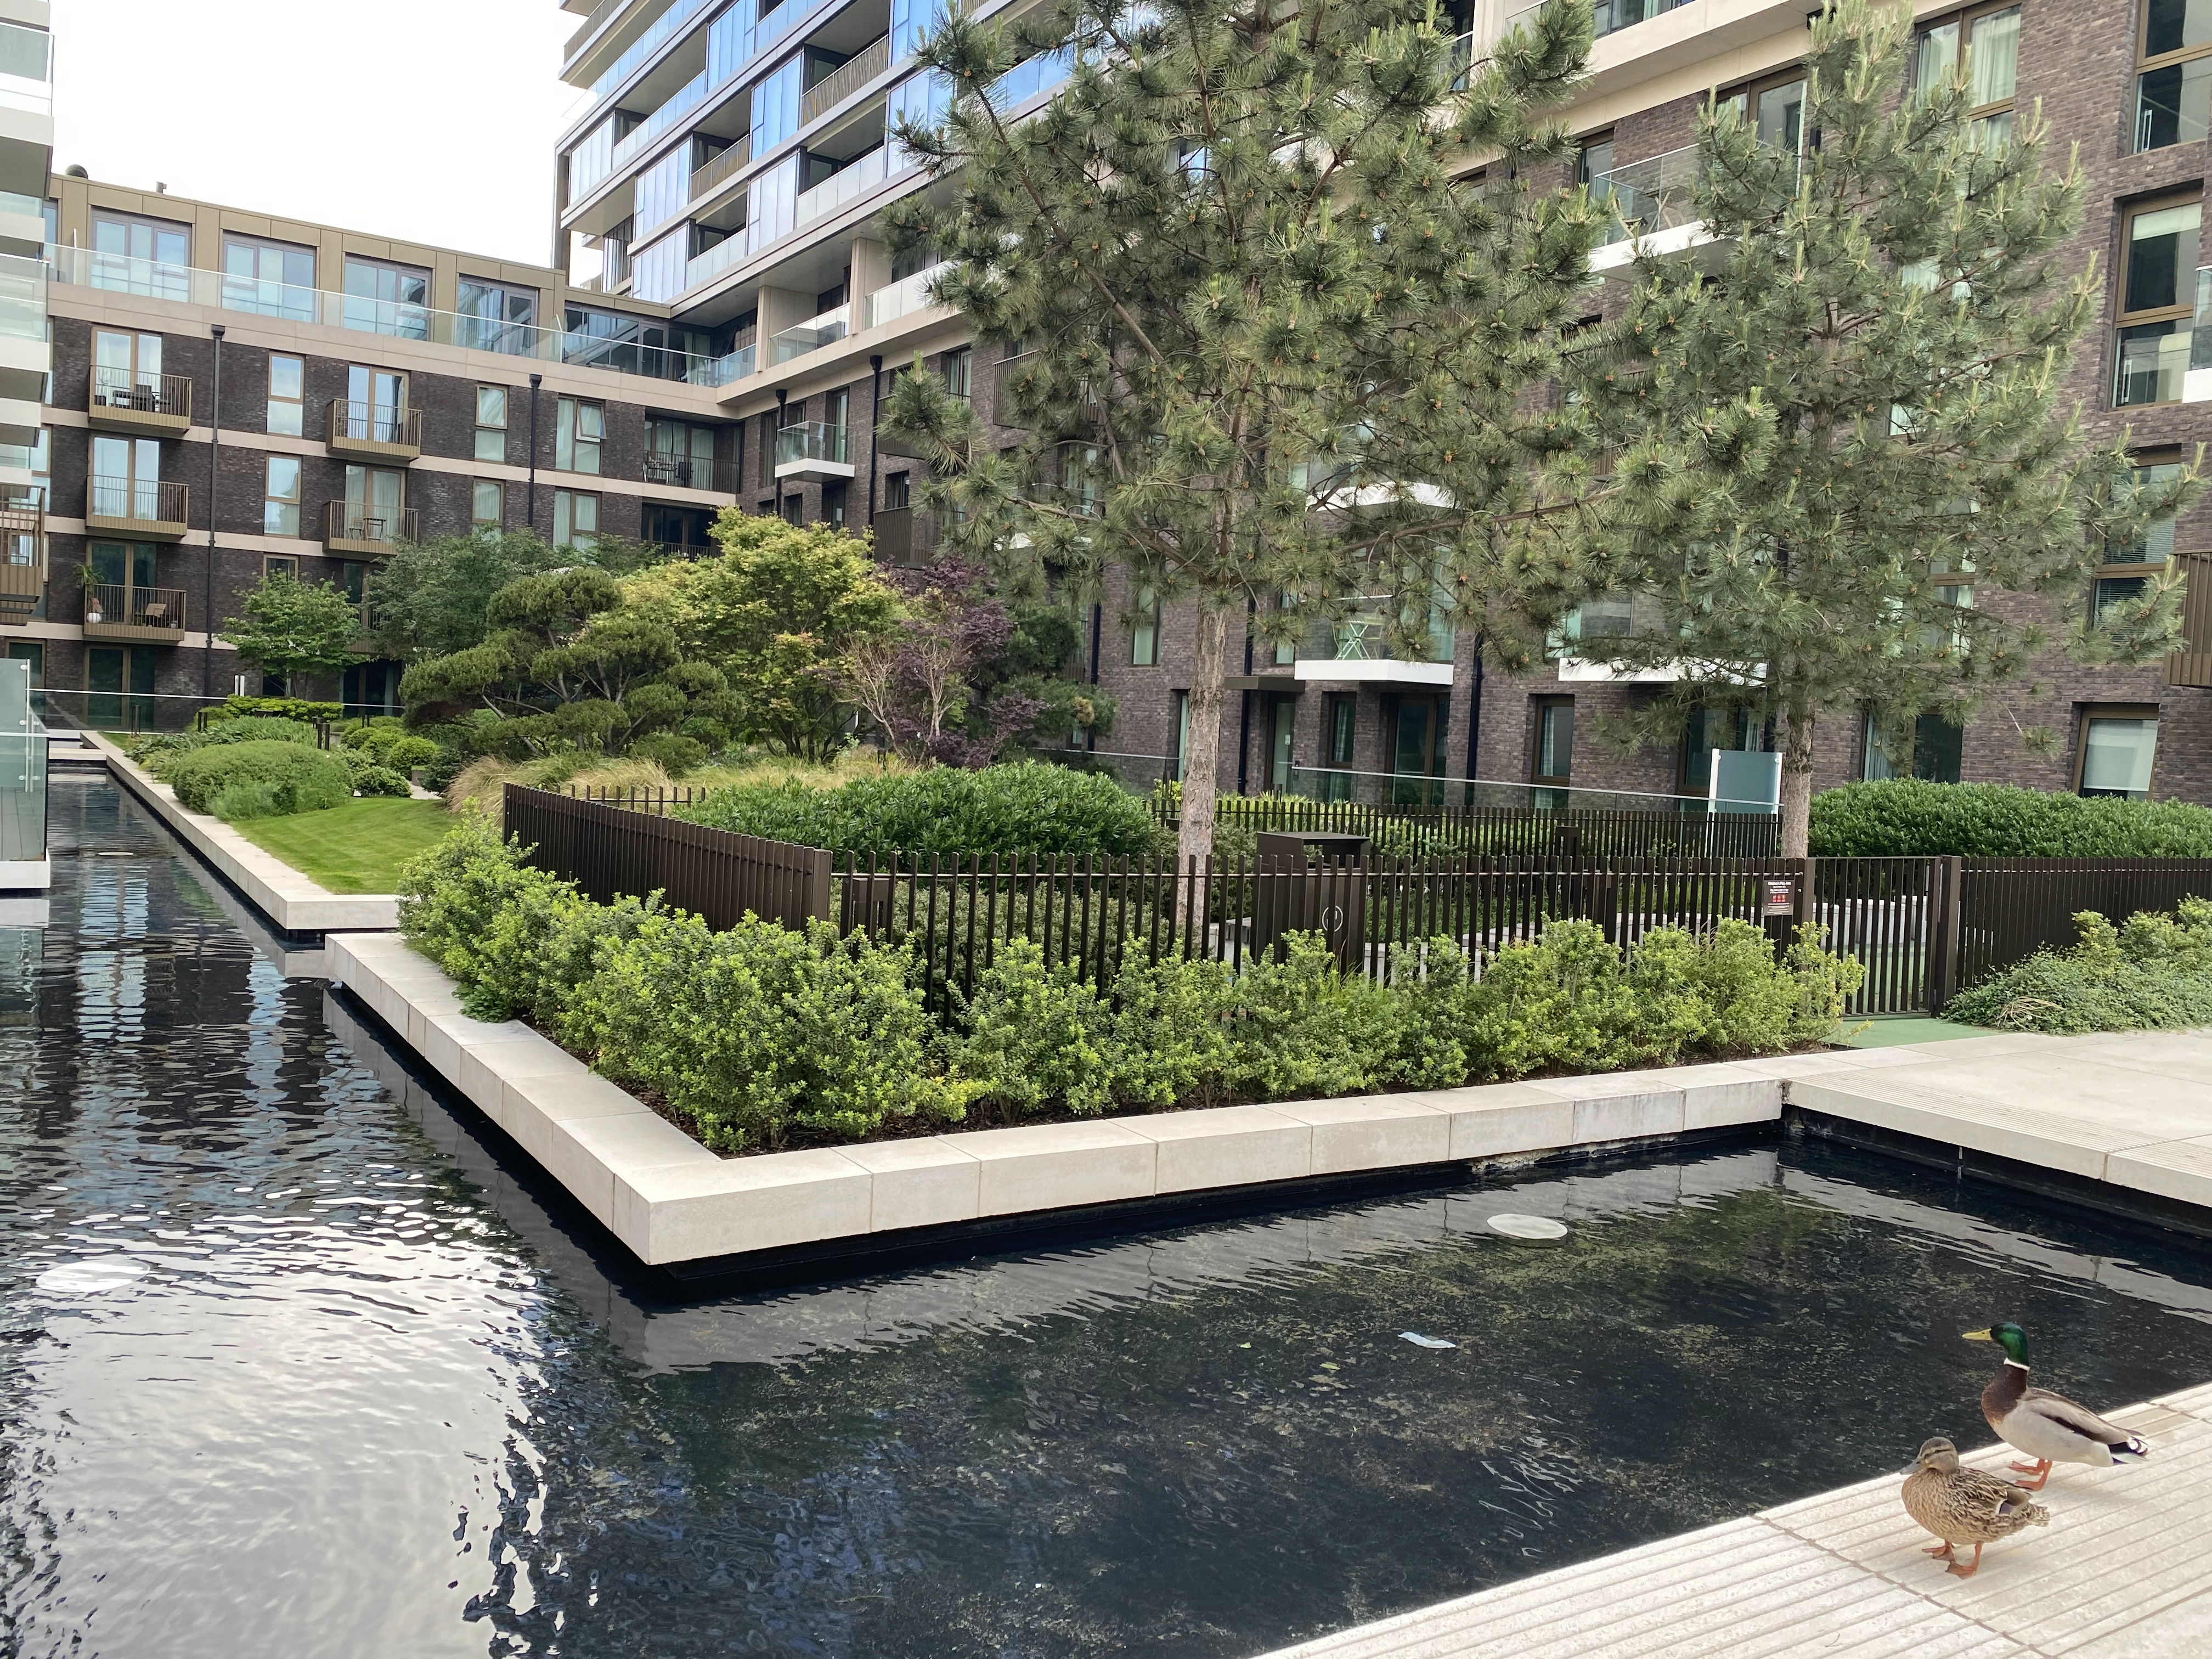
(2049,1427)
(1961,1506)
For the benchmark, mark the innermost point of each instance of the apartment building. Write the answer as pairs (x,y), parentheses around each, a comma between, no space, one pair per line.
(728,162)
(229,393)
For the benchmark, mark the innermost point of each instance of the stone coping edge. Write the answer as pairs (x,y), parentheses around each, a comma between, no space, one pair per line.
(292,902)
(670,1201)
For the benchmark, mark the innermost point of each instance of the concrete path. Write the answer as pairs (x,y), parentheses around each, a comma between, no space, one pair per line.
(2123,1572)
(2133,1109)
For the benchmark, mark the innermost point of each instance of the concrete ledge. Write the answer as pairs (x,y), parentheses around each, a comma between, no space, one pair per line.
(291,902)
(670,1200)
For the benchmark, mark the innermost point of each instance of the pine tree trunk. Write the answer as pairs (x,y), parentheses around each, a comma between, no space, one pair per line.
(1796,782)
(1202,757)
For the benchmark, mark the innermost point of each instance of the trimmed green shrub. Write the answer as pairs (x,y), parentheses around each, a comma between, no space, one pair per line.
(369,777)
(1904,816)
(1034,1035)
(1304,1028)
(267,779)
(391,746)
(2152,973)
(1025,808)
(290,708)
(1172,1045)
(151,749)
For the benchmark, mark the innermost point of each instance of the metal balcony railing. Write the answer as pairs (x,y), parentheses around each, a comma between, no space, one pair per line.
(383,424)
(148,502)
(2192,664)
(847,78)
(905,535)
(116,606)
(363,526)
(705,178)
(690,472)
(127,392)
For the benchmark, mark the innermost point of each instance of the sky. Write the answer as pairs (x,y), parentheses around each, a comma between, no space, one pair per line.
(428,120)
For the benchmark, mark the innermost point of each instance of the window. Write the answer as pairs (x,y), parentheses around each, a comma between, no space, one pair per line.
(676,452)
(2126,572)
(126,371)
(1338,732)
(279,564)
(280,502)
(491,423)
(126,477)
(497,318)
(1283,728)
(288,396)
(1775,107)
(1551,753)
(32,652)
(376,404)
(576,517)
(960,373)
(1706,730)
(375,503)
(833,503)
(793,509)
(119,680)
(268,278)
(387,299)
(1929,750)
(2158,289)
(580,429)
(140,256)
(2118,746)
(489,509)
(1594,165)
(898,490)
(1182,731)
(1991,37)
(775,106)
(1144,629)
(2173,88)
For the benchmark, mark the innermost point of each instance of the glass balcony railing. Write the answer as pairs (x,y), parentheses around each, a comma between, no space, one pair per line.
(907,295)
(826,329)
(1032,79)
(22,298)
(26,68)
(848,185)
(22,769)
(809,440)
(662,121)
(81,267)
(640,51)
(1651,195)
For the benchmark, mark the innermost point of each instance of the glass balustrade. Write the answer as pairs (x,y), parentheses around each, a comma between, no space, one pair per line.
(907,295)
(810,335)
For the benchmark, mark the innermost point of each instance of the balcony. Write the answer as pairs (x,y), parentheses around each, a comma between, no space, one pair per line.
(134,615)
(369,532)
(142,509)
(2191,665)
(905,535)
(816,332)
(690,472)
(841,83)
(848,185)
(374,432)
(1650,196)
(704,179)
(150,405)
(903,298)
(812,449)
(1003,373)
(22,553)
(659,124)
(1031,79)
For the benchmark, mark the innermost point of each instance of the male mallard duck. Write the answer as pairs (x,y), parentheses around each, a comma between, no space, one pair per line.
(1965,1506)
(2049,1427)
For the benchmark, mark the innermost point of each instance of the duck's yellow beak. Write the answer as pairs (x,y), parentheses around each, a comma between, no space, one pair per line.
(1978,1336)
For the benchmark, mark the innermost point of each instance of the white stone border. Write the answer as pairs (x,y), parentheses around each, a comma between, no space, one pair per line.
(292,904)
(670,1199)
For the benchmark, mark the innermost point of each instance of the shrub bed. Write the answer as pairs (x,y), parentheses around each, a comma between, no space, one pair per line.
(1904,817)
(2154,973)
(258,779)
(1027,808)
(759,1035)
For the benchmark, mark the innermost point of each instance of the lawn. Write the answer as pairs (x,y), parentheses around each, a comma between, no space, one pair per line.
(357,847)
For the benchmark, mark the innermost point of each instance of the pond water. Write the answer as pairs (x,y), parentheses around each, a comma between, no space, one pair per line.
(294,1364)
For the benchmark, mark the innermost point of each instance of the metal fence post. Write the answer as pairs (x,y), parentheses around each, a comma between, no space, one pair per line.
(1945,939)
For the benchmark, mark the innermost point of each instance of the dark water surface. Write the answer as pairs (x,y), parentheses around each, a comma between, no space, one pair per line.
(292,1366)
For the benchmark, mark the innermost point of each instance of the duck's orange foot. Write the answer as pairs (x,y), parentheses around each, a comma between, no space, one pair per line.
(1967,1570)
(1940,1551)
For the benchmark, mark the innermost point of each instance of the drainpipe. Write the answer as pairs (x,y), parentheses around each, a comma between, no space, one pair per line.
(783,398)
(1475,722)
(215,447)
(1098,617)
(875,410)
(531,509)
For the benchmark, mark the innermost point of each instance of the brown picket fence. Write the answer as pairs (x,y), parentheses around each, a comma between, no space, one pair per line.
(1923,927)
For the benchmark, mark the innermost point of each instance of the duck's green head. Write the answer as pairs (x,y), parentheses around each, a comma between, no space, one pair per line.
(2011,1338)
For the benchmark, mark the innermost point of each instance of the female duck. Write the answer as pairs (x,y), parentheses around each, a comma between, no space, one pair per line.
(2049,1427)
(1961,1506)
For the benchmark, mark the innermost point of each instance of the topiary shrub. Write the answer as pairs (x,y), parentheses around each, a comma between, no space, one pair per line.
(290,708)
(390,745)
(1904,816)
(1032,1035)
(1025,808)
(262,779)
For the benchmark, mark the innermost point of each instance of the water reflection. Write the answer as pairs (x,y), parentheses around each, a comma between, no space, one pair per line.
(294,1362)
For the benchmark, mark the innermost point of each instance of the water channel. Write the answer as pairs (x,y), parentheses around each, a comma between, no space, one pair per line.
(294,1364)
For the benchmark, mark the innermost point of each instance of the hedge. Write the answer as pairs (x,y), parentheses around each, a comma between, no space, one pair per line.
(2153,973)
(760,1034)
(1023,808)
(1904,816)
(258,779)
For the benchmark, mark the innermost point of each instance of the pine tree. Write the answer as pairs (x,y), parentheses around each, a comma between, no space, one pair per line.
(1836,429)
(1274,342)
